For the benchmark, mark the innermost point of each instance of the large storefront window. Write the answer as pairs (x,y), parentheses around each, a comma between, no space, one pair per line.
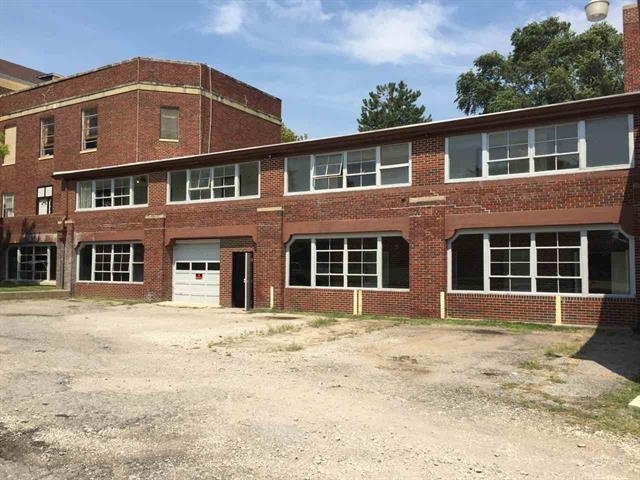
(349,262)
(31,263)
(591,261)
(111,262)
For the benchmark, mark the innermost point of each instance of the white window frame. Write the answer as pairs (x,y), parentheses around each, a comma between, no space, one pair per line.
(166,109)
(345,260)
(582,155)
(343,175)
(111,262)
(44,192)
(112,207)
(45,122)
(236,195)
(85,129)
(584,254)
(5,205)
(18,261)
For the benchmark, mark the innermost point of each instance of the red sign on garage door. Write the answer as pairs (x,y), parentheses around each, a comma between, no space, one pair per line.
(198,276)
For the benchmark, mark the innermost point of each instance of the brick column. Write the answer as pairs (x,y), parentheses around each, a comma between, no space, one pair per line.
(631,48)
(268,264)
(427,261)
(156,259)
(66,256)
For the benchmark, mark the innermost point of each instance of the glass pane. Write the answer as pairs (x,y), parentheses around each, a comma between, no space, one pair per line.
(545,134)
(499,284)
(178,181)
(547,239)
(300,262)
(569,130)
(497,153)
(520,239)
(519,268)
(248,179)
(467,257)
(499,255)
(465,156)
(547,285)
(545,148)
(567,285)
(608,262)
(547,269)
(518,151)
(499,168)
(519,166)
(568,161)
(518,137)
(499,240)
(499,269)
(570,239)
(607,141)
(169,123)
(569,269)
(393,176)
(498,139)
(568,146)
(520,284)
(394,154)
(298,173)
(547,254)
(182,266)
(140,190)
(520,255)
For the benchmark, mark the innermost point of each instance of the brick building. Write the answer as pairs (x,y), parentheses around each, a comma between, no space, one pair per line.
(167,182)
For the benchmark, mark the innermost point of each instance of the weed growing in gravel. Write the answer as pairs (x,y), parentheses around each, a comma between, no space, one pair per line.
(290,347)
(322,322)
(565,349)
(531,365)
(285,327)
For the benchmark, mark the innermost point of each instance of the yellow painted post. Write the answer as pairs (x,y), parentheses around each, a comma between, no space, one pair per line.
(359,302)
(272,297)
(558,310)
(355,302)
(443,310)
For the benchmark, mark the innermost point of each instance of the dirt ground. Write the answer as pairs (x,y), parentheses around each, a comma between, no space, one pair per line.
(101,390)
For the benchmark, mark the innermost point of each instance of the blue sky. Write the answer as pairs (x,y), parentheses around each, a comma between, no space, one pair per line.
(321,57)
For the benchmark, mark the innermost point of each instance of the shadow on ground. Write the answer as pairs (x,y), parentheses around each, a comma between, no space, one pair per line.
(616,350)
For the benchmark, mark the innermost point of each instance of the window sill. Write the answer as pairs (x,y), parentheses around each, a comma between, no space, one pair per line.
(346,190)
(213,200)
(368,289)
(568,171)
(89,150)
(8,164)
(546,294)
(169,140)
(45,157)
(120,207)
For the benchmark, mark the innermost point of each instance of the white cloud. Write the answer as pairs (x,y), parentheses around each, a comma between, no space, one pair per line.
(225,19)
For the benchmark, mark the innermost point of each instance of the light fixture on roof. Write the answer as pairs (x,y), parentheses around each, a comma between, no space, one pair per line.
(596,10)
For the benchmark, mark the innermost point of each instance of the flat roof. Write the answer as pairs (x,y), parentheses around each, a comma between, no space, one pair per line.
(492,121)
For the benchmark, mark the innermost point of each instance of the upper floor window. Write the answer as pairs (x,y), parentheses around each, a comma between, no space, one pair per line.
(89,128)
(387,165)
(587,261)
(112,193)
(47,136)
(215,183)
(45,200)
(7,205)
(589,144)
(169,123)
(10,140)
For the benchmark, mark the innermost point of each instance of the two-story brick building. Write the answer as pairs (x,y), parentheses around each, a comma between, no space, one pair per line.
(531,214)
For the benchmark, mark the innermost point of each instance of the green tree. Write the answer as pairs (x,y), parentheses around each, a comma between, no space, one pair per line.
(391,105)
(4,148)
(549,64)
(287,135)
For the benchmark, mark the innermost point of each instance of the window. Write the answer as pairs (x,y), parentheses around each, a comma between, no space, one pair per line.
(10,140)
(594,143)
(594,261)
(117,262)
(556,148)
(169,123)
(464,156)
(508,152)
(8,205)
(47,136)
(215,183)
(45,200)
(89,128)
(379,166)
(349,262)
(31,263)
(113,192)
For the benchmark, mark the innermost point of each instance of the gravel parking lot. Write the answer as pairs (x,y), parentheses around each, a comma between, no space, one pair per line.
(105,390)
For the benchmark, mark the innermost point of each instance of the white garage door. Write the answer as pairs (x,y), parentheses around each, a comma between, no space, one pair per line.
(196,273)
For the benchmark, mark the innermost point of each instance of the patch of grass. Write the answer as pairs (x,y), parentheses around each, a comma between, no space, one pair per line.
(278,329)
(512,326)
(509,385)
(531,365)
(21,287)
(564,349)
(612,412)
(290,347)
(555,378)
(322,322)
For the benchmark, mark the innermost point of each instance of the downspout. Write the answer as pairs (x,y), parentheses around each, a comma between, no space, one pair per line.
(211,109)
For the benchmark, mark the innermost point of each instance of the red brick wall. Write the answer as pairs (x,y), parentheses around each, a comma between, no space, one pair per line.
(631,46)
